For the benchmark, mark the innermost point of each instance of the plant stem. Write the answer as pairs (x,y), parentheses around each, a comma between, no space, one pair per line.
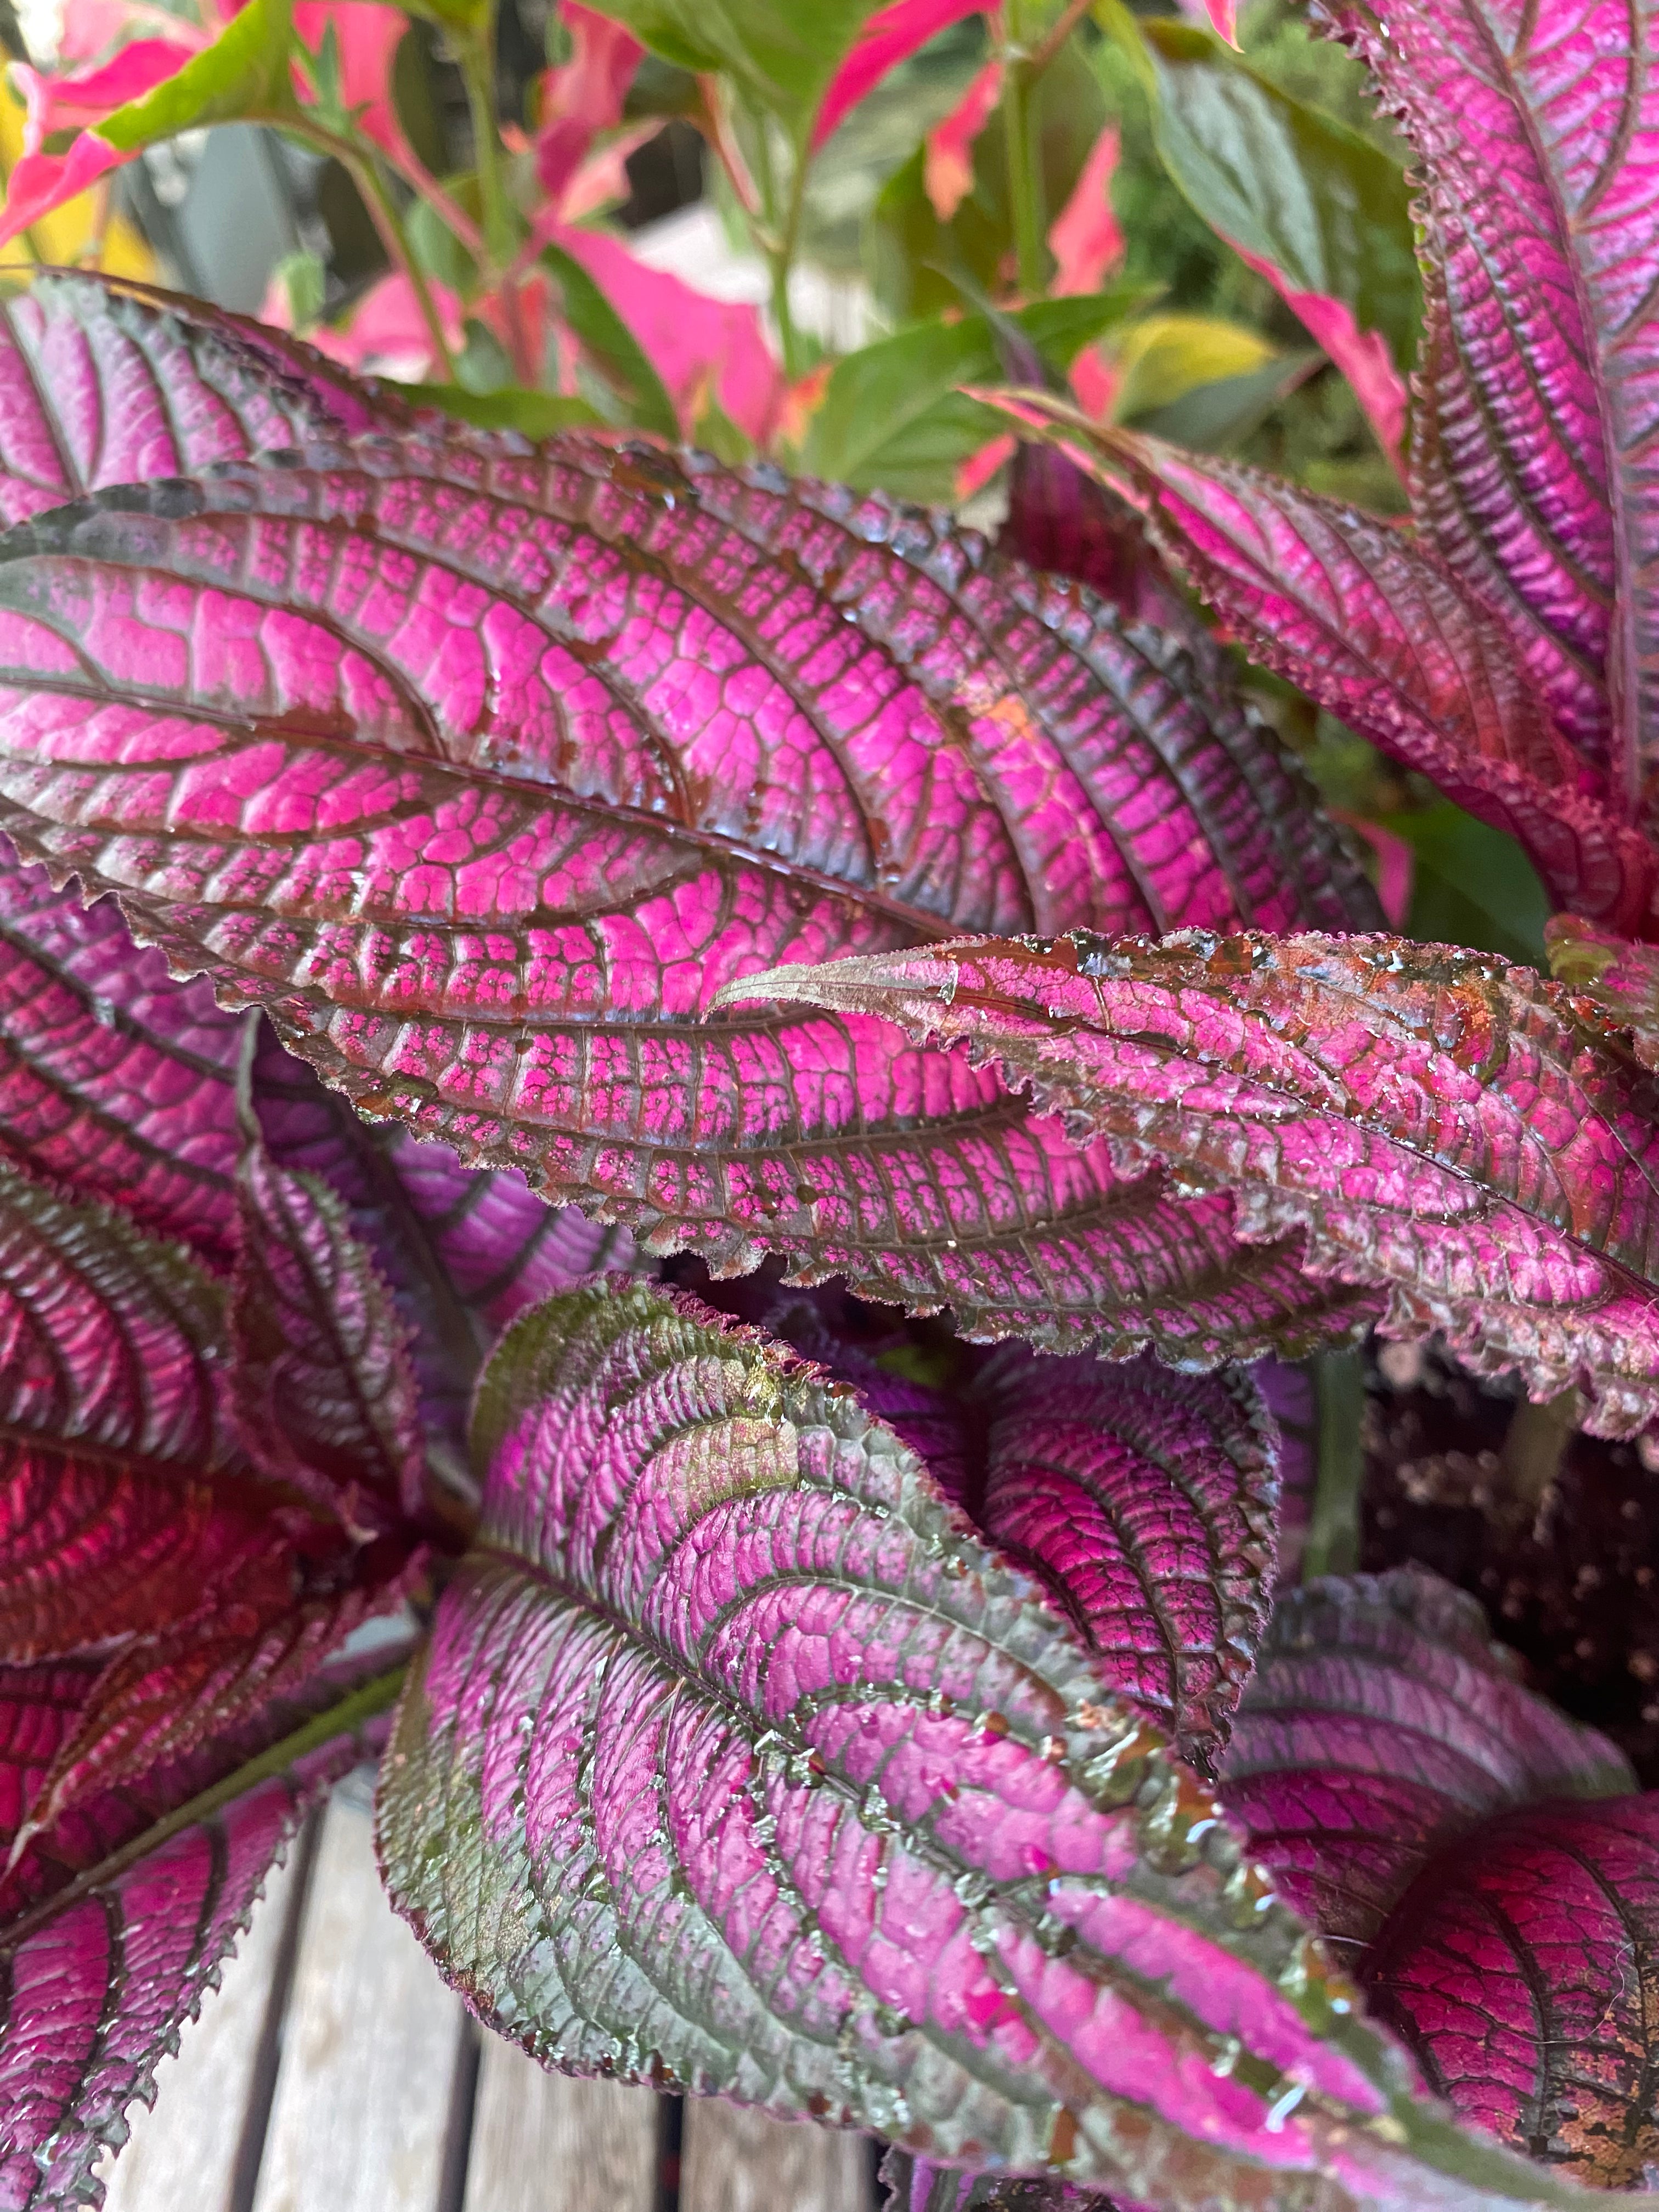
(476,59)
(782,261)
(1070,17)
(1025,193)
(364,171)
(1333,1545)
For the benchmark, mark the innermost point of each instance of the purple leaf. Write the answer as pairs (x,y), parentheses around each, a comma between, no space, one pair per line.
(644,724)
(115,1081)
(324,1393)
(1290,1397)
(1522,1968)
(1435,1123)
(737,1761)
(108,382)
(1377,628)
(110,1938)
(1538,129)
(1381,1725)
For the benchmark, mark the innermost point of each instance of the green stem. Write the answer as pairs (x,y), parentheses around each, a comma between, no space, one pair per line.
(364,171)
(1333,1545)
(361,1704)
(1024,188)
(782,260)
(477,57)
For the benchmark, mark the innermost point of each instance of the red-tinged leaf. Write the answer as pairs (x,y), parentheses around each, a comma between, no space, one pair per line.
(702,347)
(1289,1394)
(110,1938)
(590,732)
(1378,629)
(1363,356)
(1222,15)
(1524,1969)
(1382,1724)
(1609,977)
(889,36)
(326,1395)
(1435,1123)
(736,1760)
(1538,128)
(104,382)
(1085,238)
(74,102)
(367,36)
(583,97)
(948,159)
(116,1082)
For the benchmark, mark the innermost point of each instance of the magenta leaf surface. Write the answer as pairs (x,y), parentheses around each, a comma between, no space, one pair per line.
(918,2185)
(1145,1502)
(115,1081)
(589,733)
(1381,1725)
(1609,977)
(1435,1123)
(112,1929)
(1524,1969)
(1377,626)
(737,1759)
(1538,129)
(106,382)
(326,1394)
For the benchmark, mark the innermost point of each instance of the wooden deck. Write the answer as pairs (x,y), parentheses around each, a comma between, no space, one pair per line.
(333,2072)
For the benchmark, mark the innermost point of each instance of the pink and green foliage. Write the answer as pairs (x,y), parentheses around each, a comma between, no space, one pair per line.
(736,1757)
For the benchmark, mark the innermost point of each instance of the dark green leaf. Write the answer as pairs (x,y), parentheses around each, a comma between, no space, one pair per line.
(614,349)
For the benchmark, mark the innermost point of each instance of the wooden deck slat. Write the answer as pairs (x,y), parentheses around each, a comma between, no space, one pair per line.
(544,2143)
(370,2044)
(735,2160)
(193,2134)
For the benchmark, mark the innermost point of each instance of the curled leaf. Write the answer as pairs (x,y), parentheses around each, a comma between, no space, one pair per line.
(735,1760)
(1436,1124)
(1381,1726)
(1523,1969)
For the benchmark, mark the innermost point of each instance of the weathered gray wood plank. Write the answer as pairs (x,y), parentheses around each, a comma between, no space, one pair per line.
(544,2143)
(735,2160)
(194,2130)
(370,2048)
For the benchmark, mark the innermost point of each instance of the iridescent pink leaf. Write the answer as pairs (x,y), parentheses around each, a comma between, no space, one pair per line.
(889,37)
(111,1935)
(591,732)
(1435,1123)
(1382,1724)
(1144,1501)
(735,1760)
(324,1393)
(1377,628)
(110,383)
(1222,15)
(1524,1969)
(116,1082)
(1538,129)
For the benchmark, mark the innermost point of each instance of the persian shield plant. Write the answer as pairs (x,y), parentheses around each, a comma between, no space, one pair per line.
(725,1102)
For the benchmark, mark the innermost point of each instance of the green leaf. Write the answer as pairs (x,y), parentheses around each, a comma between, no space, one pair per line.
(894,415)
(1216,418)
(1473,885)
(1279,179)
(440,254)
(613,347)
(783,52)
(243,73)
(1164,357)
(537,414)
